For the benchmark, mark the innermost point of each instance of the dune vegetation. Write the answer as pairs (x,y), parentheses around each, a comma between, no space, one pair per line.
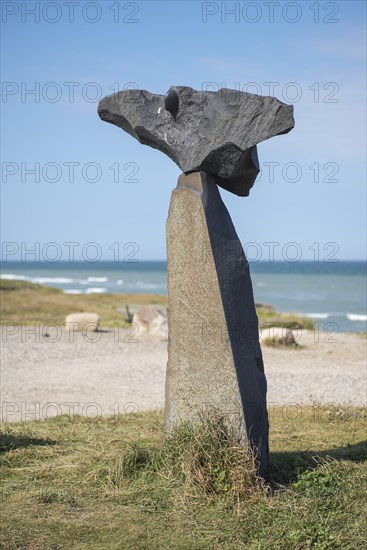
(29,303)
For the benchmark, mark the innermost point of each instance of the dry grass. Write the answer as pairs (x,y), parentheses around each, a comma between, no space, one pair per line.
(208,459)
(31,303)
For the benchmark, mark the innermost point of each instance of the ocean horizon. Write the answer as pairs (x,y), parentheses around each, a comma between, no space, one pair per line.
(333,294)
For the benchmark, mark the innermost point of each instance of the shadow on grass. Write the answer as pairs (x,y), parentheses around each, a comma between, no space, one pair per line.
(9,442)
(286,467)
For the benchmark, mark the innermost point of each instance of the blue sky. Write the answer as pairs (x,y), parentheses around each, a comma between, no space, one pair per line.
(312,54)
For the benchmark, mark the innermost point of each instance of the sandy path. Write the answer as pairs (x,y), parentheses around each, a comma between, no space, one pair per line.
(43,378)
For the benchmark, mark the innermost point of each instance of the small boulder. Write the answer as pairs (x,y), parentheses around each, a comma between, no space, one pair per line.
(82,321)
(277,336)
(152,320)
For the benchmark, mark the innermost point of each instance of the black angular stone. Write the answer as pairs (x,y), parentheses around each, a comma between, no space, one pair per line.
(171,102)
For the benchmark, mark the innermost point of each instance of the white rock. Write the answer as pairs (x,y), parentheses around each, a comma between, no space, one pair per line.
(151,320)
(82,321)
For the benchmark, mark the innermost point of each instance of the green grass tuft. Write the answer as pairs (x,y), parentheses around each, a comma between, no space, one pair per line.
(208,458)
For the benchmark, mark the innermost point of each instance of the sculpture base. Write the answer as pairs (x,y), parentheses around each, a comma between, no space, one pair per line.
(214,358)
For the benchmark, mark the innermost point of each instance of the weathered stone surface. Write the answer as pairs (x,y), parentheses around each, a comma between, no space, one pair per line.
(82,321)
(214,356)
(152,320)
(215,132)
(281,336)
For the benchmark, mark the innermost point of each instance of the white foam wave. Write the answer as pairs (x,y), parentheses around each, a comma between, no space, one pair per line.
(40,280)
(12,277)
(97,279)
(72,291)
(55,280)
(356,317)
(260,284)
(120,281)
(317,315)
(96,290)
(140,284)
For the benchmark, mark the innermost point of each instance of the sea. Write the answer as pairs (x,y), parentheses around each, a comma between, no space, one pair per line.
(333,294)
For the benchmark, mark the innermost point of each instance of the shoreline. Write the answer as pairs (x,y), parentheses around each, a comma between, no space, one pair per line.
(24,303)
(321,292)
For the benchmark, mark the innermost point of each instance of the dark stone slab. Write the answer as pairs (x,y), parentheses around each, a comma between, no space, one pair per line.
(214,356)
(214,132)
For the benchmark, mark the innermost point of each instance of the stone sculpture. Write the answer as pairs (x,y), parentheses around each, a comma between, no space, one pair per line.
(214,356)
(213,132)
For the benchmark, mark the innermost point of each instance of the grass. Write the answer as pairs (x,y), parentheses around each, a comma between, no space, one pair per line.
(115,483)
(29,303)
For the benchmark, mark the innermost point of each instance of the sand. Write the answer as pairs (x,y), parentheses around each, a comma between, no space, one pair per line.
(117,373)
